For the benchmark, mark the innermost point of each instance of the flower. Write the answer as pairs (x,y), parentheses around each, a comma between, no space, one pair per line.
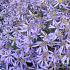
(34,34)
(42,59)
(50,37)
(65,59)
(43,48)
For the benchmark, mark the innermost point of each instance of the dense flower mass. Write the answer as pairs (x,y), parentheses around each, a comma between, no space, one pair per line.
(34,35)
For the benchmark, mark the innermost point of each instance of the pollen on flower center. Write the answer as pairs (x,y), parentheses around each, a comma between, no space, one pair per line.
(45,55)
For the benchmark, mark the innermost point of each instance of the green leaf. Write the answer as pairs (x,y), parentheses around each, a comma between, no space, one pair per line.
(50,30)
(40,14)
(14,46)
(1,18)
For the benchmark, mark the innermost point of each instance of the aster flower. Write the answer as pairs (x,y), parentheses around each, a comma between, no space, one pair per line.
(36,33)
(22,28)
(42,60)
(50,37)
(63,60)
(7,57)
(43,47)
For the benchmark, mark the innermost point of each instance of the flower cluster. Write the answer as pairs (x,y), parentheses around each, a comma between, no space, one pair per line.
(34,35)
